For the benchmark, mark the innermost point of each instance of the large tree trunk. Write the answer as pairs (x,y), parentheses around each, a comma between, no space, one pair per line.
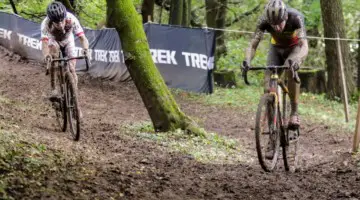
(160,104)
(333,21)
(147,10)
(180,12)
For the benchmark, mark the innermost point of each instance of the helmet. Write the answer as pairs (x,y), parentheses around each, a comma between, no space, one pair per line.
(56,11)
(275,12)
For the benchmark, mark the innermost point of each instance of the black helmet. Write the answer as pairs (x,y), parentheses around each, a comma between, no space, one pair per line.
(56,11)
(275,11)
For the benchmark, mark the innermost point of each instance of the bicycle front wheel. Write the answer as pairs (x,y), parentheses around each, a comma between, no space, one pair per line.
(72,106)
(289,138)
(60,105)
(267,132)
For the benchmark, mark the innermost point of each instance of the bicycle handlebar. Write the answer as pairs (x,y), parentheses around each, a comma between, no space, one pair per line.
(295,75)
(87,61)
(68,59)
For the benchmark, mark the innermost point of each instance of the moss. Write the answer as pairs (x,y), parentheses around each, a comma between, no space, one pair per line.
(162,108)
(310,71)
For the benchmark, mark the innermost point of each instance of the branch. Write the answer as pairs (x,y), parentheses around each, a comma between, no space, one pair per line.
(13,6)
(68,5)
(34,15)
(235,2)
(252,11)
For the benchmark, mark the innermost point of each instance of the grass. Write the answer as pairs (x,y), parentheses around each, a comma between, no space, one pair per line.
(29,169)
(212,148)
(22,165)
(315,108)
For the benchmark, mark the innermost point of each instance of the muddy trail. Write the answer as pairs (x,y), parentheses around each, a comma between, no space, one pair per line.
(122,166)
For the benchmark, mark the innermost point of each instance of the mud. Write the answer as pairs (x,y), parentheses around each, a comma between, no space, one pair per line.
(129,167)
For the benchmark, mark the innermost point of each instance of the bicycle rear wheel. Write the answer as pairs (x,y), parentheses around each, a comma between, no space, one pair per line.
(72,106)
(267,132)
(289,138)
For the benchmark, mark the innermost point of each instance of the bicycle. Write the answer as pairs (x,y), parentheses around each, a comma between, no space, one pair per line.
(66,106)
(272,117)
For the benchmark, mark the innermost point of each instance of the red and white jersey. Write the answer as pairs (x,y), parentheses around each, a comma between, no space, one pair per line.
(64,35)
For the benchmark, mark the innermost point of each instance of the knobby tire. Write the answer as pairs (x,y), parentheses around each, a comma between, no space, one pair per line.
(60,105)
(73,106)
(289,147)
(267,102)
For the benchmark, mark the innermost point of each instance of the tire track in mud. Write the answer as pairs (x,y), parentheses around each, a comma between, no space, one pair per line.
(130,167)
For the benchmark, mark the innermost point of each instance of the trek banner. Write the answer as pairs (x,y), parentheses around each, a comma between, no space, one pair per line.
(184,56)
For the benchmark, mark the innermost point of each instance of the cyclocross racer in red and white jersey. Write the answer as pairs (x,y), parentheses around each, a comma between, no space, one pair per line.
(57,33)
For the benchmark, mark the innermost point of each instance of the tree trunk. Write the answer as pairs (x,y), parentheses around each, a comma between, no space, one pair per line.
(215,18)
(176,12)
(211,12)
(147,9)
(13,6)
(186,19)
(358,63)
(220,23)
(180,12)
(333,21)
(160,104)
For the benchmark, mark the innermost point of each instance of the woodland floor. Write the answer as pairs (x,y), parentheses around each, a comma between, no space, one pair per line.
(108,162)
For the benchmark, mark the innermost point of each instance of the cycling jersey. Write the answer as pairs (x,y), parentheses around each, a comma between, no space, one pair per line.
(72,24)
(65,36)
(293,31)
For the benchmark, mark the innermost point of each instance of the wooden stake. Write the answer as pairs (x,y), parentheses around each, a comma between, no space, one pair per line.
(345,98)
(357,130)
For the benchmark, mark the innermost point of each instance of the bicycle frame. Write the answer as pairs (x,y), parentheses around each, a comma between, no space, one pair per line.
(68,101)
(276,97)
(275,80)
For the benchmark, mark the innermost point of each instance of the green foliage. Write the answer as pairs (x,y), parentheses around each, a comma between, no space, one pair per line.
(236,53)
(212,148)
(92,12)
(313,108)
(28,169)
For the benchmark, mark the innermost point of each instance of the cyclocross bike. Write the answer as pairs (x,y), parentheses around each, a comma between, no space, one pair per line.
(66,106)
(271,125)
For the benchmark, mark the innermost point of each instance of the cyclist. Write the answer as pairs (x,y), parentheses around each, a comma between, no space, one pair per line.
(288,42)
(57,33)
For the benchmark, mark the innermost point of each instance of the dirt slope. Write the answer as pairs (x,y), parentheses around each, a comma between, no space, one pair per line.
(125,167)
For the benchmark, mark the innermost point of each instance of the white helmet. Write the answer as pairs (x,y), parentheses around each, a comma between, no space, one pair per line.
(275,12)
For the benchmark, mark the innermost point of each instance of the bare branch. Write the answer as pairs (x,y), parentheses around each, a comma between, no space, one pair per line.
(250,12)
(13,6)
